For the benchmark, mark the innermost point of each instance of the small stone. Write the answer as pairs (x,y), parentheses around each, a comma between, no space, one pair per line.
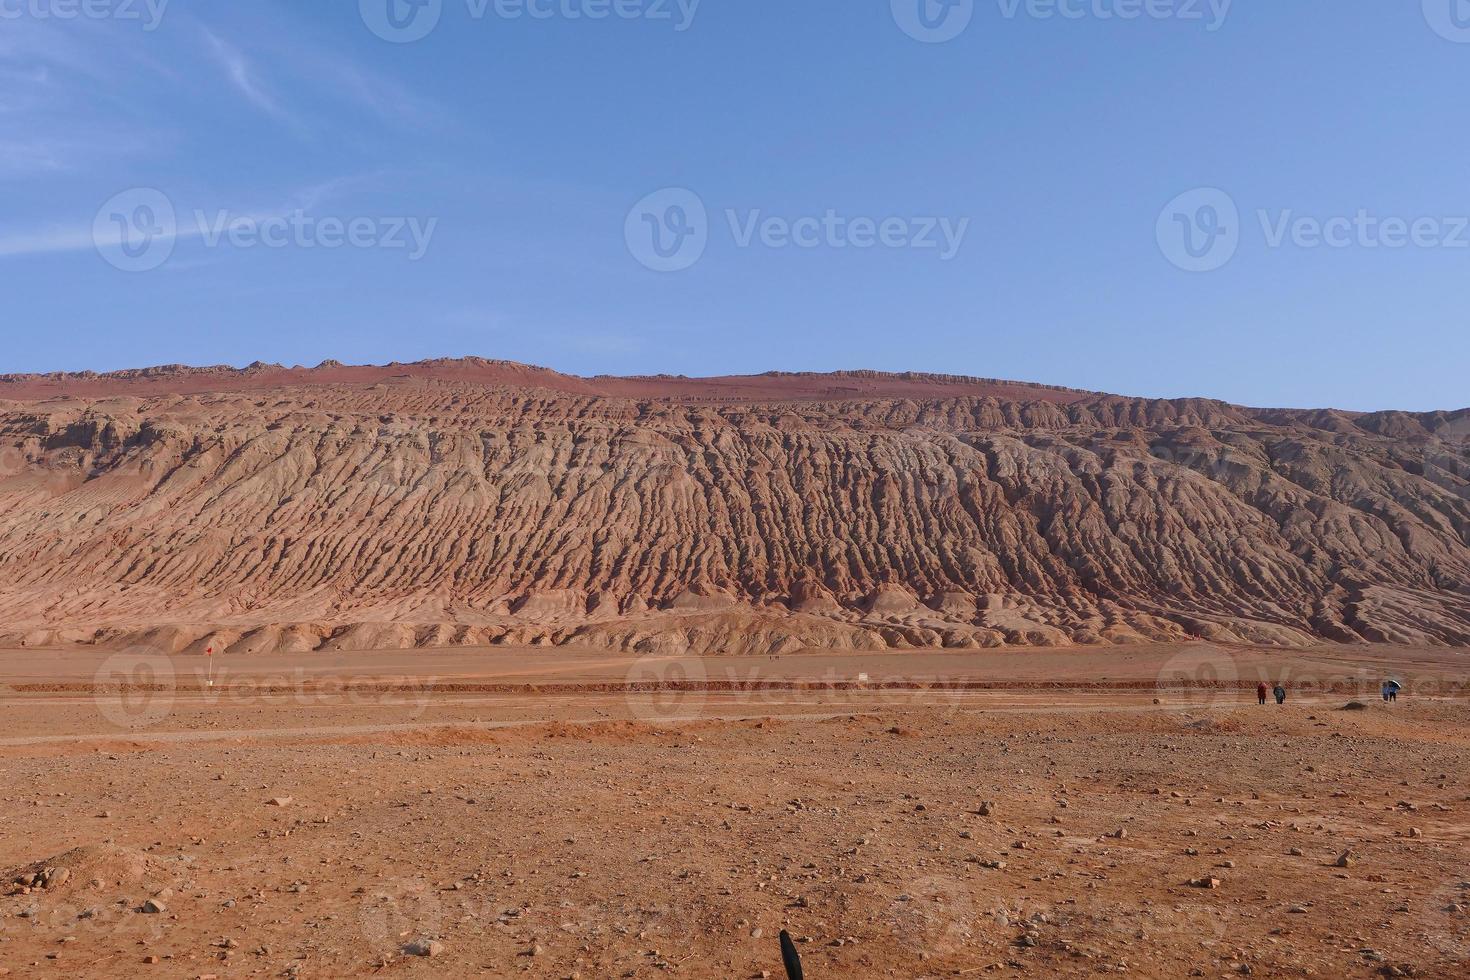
(1346,860)
(154,906)
(278,801)
(1204,882)
(424,947)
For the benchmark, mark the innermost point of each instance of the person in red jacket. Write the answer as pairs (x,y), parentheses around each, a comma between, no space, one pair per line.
(1261,692)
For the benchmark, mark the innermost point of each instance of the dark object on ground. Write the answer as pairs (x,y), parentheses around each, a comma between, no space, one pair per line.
(1355,706)
(789,957)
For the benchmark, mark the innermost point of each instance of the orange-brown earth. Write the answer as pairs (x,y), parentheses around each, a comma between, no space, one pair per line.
(476,502)
(318,833)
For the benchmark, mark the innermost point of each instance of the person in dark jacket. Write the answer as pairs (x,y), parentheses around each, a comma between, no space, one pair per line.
(1280,694)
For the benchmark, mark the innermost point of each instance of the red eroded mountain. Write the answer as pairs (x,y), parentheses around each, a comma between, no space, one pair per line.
(475,501)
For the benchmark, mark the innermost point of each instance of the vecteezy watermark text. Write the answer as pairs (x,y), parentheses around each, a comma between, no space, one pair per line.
(301,230)
(149,13)
(937,21)
(137,230)
(1201,230)
(1211,13)
(406,21)
(669,230)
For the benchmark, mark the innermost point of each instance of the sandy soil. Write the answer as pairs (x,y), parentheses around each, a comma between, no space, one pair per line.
(548,814)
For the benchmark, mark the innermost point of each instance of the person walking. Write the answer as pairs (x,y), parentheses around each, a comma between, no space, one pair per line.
(1261,693)
(1385,692)
(1392,689)
(1280,694)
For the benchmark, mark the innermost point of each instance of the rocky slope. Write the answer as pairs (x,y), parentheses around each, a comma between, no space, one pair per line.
(473,502)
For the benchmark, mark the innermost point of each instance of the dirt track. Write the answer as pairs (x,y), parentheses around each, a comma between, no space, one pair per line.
(653,833)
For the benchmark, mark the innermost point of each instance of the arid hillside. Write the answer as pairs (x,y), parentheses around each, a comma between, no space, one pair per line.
(475,502)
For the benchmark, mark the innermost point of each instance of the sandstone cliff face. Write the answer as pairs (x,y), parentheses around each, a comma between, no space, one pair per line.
(474,502)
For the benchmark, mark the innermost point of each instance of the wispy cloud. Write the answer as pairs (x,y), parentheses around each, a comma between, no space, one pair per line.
(323,79)
(51,239)
(68,98)
(44,241)
(241,74)
(75,98)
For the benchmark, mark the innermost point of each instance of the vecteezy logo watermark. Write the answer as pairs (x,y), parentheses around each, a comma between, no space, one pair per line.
(149,13)
(401,21)
(934,914)
(1205,674)
(1449,18)
(666,688)
(403,908)
(136,231)
(669,230)
(933,21)
(134,688)
(405,21)
(1200,231)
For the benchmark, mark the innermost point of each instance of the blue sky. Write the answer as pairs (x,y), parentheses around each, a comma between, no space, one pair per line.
(497,171)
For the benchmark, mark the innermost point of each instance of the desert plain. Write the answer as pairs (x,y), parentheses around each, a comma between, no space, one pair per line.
(565,813)
(463,668)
